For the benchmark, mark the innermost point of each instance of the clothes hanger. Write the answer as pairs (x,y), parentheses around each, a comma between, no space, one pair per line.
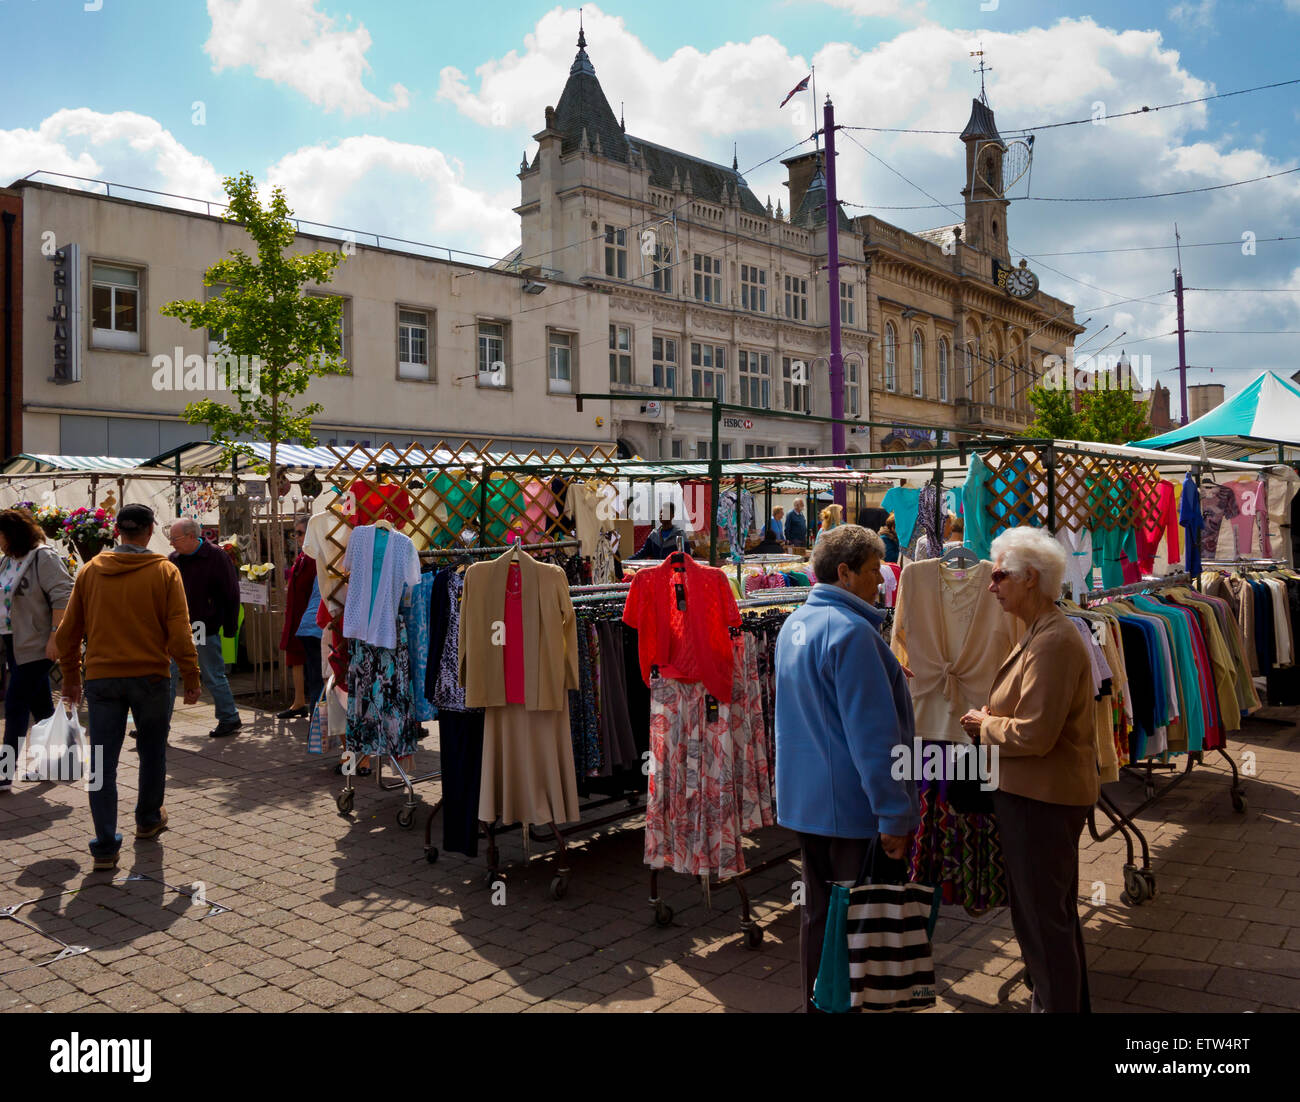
(961,556)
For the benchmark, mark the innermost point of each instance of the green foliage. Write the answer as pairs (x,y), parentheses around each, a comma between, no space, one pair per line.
(264,313)
(1112,416)
(1103,413)
(1054,415)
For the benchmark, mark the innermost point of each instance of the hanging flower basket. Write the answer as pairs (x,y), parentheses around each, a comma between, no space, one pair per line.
(90,530)
(51,520)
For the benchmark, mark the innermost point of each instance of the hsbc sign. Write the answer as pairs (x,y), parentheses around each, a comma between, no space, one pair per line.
(743,423)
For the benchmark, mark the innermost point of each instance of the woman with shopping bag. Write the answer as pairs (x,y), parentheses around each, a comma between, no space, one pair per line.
(842,707)
(34,591)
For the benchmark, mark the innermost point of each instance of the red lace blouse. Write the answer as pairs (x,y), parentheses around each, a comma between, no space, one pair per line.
(691,644)
(384,501)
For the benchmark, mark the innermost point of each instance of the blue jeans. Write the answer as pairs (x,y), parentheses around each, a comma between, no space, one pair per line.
(108,700)
(212,672)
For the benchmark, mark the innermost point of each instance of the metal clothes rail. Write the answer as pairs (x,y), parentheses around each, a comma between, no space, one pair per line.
(1140,883)
(345,801)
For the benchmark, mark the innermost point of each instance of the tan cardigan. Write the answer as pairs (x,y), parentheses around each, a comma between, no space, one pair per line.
(550,634)
(1041,716)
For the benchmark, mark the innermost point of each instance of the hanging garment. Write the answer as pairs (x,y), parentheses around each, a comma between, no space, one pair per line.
(928,518)
(905,504)
(975,509)
(326,541)
(1078,559)
(1193,523)
(709,779)
(418,639)
(368,503)
(961,854)
(381,698)
(1250,521)
(1283,482)
(528,767)
(890,572)
(460,749)
(1218,503)
(727,516)
(592,506)
(618,744)
(382,565)
(950,631)
(681,611)
(1159,521)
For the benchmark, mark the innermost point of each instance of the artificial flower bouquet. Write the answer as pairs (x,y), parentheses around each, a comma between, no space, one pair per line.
(256,571)
(90,530)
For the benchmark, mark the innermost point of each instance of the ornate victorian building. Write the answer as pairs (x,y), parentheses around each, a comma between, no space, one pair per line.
(714,293)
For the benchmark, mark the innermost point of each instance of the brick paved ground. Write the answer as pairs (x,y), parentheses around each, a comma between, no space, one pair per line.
(327,913)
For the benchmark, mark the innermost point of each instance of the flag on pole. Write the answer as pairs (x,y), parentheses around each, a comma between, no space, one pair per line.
(802,86)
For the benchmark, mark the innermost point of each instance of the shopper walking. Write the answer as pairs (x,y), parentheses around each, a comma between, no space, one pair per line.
(1039,720)
(842,706)
(34,591)
(796,526)
(129,606)
(832,517)
(212,594)
(777,522)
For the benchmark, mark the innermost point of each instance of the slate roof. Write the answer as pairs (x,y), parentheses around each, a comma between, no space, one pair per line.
(583,106)
(980,124)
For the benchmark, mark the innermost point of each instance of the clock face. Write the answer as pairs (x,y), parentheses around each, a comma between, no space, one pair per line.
(1022,283)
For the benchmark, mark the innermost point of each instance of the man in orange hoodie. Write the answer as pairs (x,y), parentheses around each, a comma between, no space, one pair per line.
(129,606)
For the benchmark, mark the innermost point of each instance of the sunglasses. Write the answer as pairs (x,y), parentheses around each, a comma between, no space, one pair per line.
(999,576)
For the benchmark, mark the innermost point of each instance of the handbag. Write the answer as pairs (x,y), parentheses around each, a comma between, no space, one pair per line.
(966,796)
(57,747)
(877,953)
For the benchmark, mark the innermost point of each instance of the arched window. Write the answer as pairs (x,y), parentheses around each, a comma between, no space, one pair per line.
(891,357)
(943,370)
(918,364)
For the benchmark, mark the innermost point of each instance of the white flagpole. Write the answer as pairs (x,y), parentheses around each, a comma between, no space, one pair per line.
(816,139)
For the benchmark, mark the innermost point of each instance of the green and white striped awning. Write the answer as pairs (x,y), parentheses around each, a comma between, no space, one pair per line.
(88,464)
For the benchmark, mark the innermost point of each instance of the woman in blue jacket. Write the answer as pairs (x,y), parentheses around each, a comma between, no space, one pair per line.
(842,706)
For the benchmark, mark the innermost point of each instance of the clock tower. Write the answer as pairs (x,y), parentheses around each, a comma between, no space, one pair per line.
(986,209)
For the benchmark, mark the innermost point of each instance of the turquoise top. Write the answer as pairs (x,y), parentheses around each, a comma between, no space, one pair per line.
(377,562)
(904,504)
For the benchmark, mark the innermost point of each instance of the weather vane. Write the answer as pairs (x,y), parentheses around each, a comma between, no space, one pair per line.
(981,70)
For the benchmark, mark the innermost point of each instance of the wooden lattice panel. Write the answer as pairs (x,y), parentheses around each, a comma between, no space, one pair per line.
(1074,474)
(1017,487)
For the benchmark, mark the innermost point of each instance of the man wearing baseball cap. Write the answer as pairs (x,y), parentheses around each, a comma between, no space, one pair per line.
(129,606)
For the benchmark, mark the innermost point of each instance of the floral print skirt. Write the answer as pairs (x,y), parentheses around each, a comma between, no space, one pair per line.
(381,700)
(710,776)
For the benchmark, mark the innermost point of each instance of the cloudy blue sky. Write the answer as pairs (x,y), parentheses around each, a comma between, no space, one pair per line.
(410,119)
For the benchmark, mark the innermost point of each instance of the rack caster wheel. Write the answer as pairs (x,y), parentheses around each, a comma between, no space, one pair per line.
(1136,888)
(1239,802)
(431,855)
(345,800)
(406,818)
(491,877)
(753,937)
(663,914)
(559,887)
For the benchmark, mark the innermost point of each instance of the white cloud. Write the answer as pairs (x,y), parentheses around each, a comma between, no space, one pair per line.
(886,9)
(122,147)
(1192,15)
(395,188)
(292,43)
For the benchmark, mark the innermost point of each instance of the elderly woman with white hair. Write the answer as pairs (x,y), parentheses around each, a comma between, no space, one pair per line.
(1039,720)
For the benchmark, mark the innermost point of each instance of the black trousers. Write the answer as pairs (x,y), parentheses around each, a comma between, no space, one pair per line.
(824,860)
(27,696)
(1040,845)
(313,684)
(460,748)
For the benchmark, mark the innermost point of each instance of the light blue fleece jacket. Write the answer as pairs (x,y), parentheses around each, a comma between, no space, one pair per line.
(842,705)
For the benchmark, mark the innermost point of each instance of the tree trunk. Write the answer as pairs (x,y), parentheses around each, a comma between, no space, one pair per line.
(278,591)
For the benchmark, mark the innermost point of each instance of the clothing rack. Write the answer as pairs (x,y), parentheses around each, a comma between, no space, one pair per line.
(346,799)
(553,545)
(1140,883)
